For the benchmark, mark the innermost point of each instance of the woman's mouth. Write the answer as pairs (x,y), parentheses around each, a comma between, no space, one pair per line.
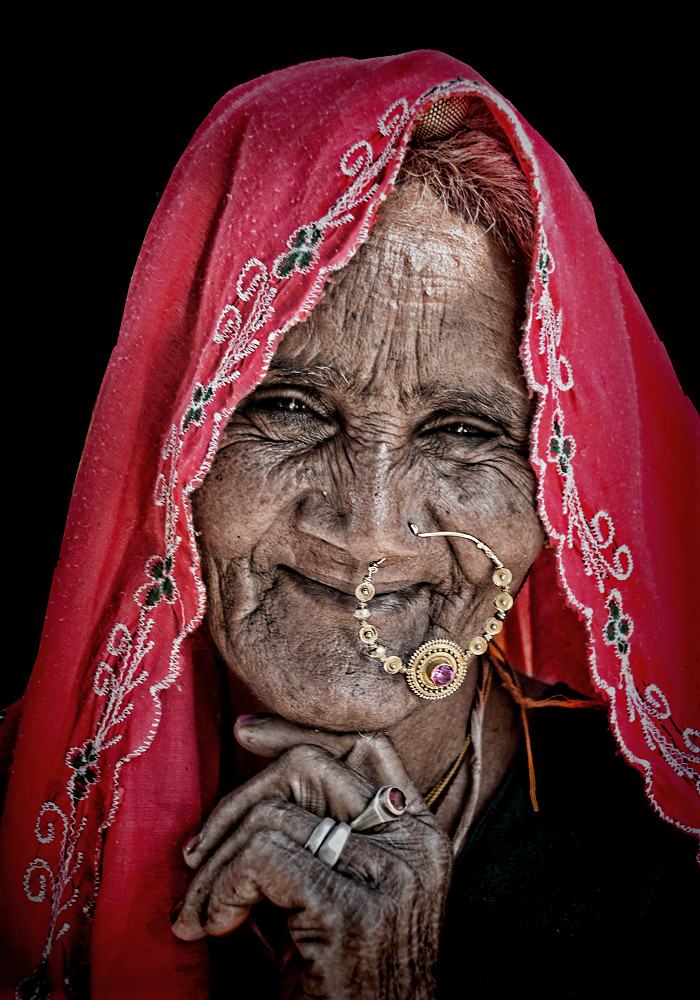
(390,596)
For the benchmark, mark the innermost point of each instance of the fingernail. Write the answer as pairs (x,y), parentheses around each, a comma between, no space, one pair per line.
(175,912)
(253,720)
(191,843)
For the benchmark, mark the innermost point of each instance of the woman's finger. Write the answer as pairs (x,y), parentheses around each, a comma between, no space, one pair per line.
(361,858)
(354,936)
(373,754)
(271,736)
(270,814)
(271,866)
(376,756)
(308,776)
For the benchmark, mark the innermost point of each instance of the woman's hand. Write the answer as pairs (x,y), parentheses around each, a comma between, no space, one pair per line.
(370,927)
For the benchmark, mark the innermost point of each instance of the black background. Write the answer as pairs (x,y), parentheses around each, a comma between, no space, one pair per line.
(98,114)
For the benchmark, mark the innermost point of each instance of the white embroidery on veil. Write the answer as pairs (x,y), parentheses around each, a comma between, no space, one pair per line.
(121,670)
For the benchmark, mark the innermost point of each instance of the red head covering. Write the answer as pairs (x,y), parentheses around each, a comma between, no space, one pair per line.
(116,760)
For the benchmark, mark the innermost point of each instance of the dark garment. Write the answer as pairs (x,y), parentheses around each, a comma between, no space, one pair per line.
(593,892)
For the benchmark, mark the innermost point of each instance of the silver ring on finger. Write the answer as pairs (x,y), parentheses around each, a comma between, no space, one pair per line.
(332,847)
(388,804)
(319,834)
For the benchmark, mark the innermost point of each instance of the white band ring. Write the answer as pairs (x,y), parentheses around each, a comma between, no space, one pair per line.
(331,848)
(328,838)
(319,834)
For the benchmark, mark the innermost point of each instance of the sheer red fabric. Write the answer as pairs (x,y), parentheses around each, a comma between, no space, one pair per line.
(117,756)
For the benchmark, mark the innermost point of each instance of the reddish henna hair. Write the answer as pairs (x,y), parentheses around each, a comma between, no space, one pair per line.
(476,174)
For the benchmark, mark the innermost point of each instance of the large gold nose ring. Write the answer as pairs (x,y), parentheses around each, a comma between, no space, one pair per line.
(438,667)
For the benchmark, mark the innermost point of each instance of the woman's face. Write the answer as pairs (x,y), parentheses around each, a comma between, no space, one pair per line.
(400,399)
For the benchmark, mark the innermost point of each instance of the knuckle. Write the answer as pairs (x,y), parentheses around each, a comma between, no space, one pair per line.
(379,741)
(259,845)
(410,882)
(213,823)
(220,900)
(224,895)
(304,756)
(268,813)
(223,912)
(368,748)
(437,841)
(441,847)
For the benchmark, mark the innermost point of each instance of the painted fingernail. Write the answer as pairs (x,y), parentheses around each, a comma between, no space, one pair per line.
(253,719)
(175,912)
(191,843)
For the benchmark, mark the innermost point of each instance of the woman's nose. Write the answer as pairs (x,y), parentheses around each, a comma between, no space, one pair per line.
(366,515)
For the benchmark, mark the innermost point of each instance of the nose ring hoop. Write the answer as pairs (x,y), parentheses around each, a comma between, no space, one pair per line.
(438,667)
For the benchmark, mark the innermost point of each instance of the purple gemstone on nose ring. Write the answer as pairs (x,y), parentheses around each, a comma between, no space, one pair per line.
(442,674)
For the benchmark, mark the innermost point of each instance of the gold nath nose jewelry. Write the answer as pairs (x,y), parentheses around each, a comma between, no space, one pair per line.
(438,667)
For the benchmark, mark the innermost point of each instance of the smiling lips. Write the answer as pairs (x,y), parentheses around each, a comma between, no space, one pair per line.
(346,588)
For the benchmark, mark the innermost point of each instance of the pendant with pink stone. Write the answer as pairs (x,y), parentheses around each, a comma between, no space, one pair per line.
(442,674)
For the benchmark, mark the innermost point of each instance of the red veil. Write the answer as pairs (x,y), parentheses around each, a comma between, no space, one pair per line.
(116,760)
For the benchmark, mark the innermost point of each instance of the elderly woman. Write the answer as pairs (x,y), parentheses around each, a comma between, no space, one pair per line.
(378,377)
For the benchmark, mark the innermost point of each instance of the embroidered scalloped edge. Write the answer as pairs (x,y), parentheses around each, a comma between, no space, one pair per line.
(160,583)
(541,311)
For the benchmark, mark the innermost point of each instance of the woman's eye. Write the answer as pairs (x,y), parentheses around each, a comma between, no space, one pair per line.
(285,401)
(287,415)
(462,428)
(458,438)
(282,405)
(480,429)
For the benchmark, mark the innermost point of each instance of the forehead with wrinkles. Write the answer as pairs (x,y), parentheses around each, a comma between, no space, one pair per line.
(428,308)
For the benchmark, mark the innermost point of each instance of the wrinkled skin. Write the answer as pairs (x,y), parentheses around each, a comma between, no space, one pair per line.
(370,927)
(400,399)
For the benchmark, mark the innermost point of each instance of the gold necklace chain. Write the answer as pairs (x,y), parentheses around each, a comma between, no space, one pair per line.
(437,790)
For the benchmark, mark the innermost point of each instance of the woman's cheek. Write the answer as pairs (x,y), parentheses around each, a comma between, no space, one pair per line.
(241,498)
(495,501)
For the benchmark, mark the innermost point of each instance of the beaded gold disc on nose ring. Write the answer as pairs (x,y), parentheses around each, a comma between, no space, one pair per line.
(438,667)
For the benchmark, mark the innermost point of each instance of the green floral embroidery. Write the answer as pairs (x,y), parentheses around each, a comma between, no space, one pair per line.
(561,448)
(619,627)
(304,246)
(38,986)
(199,401)
(84,763)
(545,264)
(163,585)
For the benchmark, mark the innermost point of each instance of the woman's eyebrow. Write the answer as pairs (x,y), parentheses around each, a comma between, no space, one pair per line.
(496,405)
(315,376)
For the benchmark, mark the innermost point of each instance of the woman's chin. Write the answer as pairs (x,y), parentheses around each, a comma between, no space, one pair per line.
(304,661)
(381,710)
(346,698)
